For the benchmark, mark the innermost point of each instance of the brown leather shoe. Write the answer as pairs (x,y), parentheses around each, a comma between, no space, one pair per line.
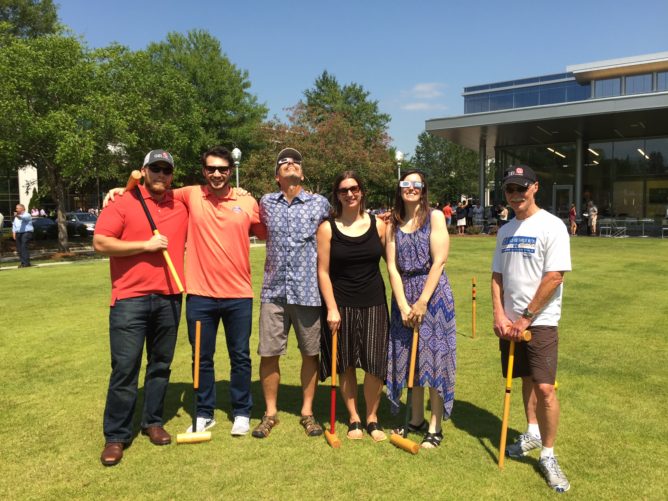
(112,453)
(157,435)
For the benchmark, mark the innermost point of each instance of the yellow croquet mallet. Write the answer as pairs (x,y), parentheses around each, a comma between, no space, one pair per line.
(330,434)
(526,336)
(400,440)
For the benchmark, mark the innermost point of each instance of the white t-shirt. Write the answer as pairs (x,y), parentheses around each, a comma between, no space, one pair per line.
(525,251)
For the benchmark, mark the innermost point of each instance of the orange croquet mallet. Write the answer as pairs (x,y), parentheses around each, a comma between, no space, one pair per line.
(400,440)
(195,437)
(330,434)
(526,336)
(133,183)
(473,306)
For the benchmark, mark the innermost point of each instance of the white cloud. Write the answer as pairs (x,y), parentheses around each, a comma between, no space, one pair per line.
(427,90)
(422,106)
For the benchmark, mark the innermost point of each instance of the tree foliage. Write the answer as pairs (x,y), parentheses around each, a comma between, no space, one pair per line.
(451,169)
(351,102)
(231,114)
(75,113)
(28,18)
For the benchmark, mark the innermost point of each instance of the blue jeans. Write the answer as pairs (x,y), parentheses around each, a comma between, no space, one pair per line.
(22,241)
(236,315)
(153,319)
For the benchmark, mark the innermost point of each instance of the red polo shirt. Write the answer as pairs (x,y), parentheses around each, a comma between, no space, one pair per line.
(144,273)
(217,260)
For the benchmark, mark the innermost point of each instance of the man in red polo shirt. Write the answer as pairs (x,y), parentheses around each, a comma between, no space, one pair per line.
(145,302)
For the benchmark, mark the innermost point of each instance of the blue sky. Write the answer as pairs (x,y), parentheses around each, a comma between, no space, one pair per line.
(414,57)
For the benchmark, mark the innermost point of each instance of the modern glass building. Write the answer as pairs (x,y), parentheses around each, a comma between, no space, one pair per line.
(597,132)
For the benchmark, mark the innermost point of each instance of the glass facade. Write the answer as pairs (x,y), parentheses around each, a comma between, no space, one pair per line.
(525,95)
(624,178)
(555,89)
(638,84)
(608,87)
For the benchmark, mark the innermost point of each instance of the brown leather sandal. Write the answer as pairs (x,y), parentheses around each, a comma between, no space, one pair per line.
(311,426)
(263,429)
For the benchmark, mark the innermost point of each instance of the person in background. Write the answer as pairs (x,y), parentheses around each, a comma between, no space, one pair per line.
(447,212)
(350,245)
(22,233)
(461,218)
(417,250)
(592,215)
(572,216)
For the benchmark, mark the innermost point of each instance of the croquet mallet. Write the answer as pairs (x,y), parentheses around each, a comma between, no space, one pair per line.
(195,437)
(133,183)
(526,336)
(400,440)
(330,434)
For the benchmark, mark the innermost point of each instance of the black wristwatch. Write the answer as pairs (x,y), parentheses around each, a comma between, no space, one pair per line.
(527,314)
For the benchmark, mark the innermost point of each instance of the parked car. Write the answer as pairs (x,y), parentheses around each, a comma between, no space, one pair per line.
(80,224)
(45,228)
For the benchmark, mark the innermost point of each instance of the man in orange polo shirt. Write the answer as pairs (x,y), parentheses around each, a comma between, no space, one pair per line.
(145,302)
(219,283)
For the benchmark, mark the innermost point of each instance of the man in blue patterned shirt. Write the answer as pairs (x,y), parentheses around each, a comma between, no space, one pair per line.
(290,295)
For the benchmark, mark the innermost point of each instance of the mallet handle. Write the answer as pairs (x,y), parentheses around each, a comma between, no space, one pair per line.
(332,407)
(165,254)
(526,336)
(198,337)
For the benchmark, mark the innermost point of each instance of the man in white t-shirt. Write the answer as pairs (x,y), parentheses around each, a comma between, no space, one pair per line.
(532,254)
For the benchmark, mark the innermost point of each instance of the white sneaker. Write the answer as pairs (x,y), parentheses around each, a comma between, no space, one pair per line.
(553,475)
(203,424)
(241,426)
(524,443)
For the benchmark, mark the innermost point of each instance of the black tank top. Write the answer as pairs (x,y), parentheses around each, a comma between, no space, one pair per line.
(354,267)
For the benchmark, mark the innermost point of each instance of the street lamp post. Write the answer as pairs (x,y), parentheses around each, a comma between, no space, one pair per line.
(398,157)
(236,156)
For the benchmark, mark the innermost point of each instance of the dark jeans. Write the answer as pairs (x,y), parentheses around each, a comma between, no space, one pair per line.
(236,315)
(154,319)
(22,241)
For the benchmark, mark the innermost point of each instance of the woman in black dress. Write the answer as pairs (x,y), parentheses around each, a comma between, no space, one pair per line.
(350,245)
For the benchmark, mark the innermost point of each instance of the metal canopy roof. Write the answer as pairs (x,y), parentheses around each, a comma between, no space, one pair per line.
(593,120)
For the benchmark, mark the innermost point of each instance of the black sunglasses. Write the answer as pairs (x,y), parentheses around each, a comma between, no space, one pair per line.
(516,189)
(210,169)
(155,169)
(352,189)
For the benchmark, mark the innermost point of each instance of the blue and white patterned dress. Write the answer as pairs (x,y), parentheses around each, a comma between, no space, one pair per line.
(436,359)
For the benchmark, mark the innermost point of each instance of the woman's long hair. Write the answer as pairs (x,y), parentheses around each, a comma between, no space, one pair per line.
(399,210)
(336,203)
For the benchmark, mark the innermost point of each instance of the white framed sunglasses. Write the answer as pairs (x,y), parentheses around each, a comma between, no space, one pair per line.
(418,185)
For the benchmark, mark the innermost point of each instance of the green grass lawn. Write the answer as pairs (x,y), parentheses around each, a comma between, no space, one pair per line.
(54,369)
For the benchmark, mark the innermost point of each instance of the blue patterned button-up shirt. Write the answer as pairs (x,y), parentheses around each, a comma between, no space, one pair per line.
(291,266)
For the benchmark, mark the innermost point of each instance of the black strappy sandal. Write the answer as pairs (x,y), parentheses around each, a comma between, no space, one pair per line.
(421,428)
(374,426)
(433,439)
(354,426)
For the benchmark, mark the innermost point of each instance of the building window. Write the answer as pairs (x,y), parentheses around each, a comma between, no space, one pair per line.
(662,81)
(476,104)
(608,88)
(501,101)
(639,84)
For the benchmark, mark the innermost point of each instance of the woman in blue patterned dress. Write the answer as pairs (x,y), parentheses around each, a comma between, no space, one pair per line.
(417,248)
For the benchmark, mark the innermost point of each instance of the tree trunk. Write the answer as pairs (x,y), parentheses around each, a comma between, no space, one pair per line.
(58,194)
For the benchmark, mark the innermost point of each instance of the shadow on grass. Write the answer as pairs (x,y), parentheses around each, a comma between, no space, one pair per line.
(481,424)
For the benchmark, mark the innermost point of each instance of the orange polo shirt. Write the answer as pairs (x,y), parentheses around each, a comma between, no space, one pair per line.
(217,260)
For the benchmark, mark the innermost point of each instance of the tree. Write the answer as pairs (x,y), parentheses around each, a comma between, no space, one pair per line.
(351,102)
(63,106)
(29,18)
(232,114)
(452,170)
